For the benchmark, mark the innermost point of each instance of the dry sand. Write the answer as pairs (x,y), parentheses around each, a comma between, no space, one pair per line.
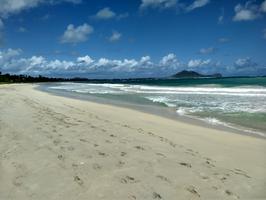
(60,148)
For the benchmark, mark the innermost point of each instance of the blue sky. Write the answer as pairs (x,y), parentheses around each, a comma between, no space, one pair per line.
(134,38)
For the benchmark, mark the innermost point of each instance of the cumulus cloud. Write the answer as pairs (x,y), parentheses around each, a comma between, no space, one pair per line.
(85,66)
(11,61)
(245,63)
(166,4)
(249,11)
(1,32)
(246,67)
(9,54)
(105,13)
(9,7)
(169,60)
(263,6)
(76,34)
(198,63)
(115,36)
(197,4)
(208,50)
(162,4)
(85,60)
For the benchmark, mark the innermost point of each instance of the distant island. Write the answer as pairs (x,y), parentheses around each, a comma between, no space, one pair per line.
(193,74)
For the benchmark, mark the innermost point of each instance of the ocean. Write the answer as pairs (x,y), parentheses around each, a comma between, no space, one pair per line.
(236,103)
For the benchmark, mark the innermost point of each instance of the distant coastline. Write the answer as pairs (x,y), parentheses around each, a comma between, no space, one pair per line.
(21,78)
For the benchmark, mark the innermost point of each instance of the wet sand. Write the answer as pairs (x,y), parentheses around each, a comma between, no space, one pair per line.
(55,147)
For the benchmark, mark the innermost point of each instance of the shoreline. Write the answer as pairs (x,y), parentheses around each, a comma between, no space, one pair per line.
(62,148)
(166,112)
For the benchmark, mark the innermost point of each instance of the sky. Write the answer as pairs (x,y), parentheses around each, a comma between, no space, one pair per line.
(132,38)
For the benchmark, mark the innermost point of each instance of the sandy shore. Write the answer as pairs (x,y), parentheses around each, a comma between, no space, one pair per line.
(60,148)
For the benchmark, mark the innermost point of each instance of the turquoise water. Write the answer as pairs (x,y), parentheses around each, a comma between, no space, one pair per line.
(238,103)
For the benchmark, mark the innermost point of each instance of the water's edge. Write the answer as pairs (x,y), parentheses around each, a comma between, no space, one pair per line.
(150,109)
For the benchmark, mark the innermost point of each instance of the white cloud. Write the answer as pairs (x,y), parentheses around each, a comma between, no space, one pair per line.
(76,34)
(145,60)
(105,13)
(85,60)
(197,4)
(11,62)
(208,50)
(169,60)
(246,67)
(9,7)
(198,63)
(247,12)
(9,54)
(1,32)
(263,6)
(161,4)
(115,36)
(244,63)
(85,66)
(166,4)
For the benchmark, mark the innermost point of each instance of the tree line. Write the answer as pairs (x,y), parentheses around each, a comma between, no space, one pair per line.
(9,78)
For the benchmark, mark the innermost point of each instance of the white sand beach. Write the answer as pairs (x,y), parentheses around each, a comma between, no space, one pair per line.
(57,148)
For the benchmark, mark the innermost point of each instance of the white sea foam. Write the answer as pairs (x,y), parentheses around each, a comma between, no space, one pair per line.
(181,111)
(213,121)
(189,101)
(161,99)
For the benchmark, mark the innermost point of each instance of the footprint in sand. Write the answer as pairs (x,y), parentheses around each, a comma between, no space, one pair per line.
(186,164)
(193,190)
(140,148)
(102,154)
(18,181)
(240,172)
(163,178)
(230,193)
(209,164)
(128,179)
(133,197)
(155,195)
(56,142)
(78,180)
(60,157)
(83,140)
(120,164)
(123,153)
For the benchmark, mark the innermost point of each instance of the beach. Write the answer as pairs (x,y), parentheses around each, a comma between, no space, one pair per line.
(54,147)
